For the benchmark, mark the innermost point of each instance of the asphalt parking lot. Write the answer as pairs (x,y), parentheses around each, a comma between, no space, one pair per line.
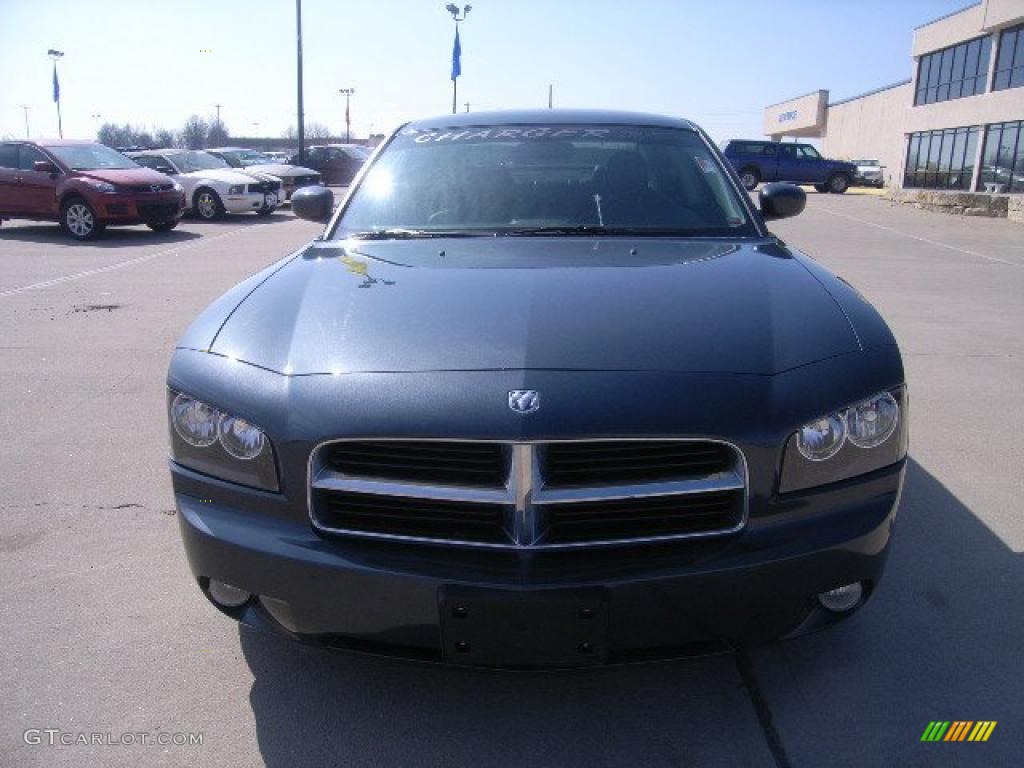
(103,631)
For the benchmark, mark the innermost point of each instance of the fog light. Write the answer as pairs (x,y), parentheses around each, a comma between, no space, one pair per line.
(842,599)
(226,595)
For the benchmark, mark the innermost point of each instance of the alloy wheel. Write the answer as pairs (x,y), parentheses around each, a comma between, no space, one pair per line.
(207,206)
(80,219)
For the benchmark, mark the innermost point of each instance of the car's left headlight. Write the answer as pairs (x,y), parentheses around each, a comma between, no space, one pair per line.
(220,444)
(865,436)
(177,187)
(237,189)
(103,186)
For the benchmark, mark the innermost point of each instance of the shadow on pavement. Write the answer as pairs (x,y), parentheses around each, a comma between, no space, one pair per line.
(940,640)
(315,707)
(113,237)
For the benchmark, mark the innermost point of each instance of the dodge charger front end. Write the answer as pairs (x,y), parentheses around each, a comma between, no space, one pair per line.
(546,392)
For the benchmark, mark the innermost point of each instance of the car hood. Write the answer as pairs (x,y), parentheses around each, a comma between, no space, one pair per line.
(225,175)
(125,176)
(281,170)
(607,304)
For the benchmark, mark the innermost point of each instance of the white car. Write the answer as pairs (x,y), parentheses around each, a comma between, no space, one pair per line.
(212,187)
(292,176)
(869,173)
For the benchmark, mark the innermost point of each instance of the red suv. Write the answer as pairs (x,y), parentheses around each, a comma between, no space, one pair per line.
(85,186)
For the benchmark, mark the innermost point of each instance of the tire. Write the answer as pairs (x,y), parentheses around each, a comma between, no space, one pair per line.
(162,226)
(838,183)
(750,178)
(207,205)
(79,220)
(821,188)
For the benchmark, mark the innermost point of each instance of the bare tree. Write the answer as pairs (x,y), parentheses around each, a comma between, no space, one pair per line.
(317,131)
(290,133)
(163,138)
(194,133)
(217,135)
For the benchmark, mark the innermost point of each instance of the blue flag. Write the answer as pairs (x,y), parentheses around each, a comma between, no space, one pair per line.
(456,55)
(56,85)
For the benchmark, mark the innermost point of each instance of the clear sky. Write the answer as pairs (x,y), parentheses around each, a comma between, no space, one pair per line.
(718,62)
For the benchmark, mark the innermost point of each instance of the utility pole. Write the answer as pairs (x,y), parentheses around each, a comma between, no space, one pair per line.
(453,9)
(550,95)
(298,41)
(26,107)
(467,106)
(54,55)
(348,118)
(218,106)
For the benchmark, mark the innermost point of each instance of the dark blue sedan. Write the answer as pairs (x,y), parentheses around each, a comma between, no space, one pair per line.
(545,392)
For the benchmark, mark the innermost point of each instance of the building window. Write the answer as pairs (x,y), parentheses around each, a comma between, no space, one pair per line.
(941,159)
(1003,160)
(953,73)
(1010,62)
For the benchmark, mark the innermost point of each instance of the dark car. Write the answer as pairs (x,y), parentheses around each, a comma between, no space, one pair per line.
(761,161)
(337,164)
(85,186)
(545,392)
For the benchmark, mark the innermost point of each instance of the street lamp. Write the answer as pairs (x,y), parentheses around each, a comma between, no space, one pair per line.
(54,54)
(348,118)
(453,9)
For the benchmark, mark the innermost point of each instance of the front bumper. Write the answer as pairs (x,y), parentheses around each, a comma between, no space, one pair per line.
(251,201)
(129,209)
(650,601)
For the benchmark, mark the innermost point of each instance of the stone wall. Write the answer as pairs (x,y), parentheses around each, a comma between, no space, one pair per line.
(962,203)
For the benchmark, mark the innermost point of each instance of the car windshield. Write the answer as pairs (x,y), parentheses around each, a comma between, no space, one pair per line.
(250,157)
(91,157)
(546,179)
(187,162)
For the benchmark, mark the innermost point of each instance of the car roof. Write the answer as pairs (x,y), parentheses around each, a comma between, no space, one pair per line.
(552,117)
(60,142)
(231,149)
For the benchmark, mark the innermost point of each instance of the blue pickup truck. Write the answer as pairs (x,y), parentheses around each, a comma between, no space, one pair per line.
(757,161)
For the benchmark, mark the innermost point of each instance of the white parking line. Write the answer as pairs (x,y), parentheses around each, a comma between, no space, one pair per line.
(203,240)
(936,243)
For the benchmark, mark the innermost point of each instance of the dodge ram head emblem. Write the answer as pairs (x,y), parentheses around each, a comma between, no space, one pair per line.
(154,187)
(524,400)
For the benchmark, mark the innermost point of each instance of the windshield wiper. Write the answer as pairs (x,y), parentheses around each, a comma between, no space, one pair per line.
(411,234)
(581,229)
(588,229)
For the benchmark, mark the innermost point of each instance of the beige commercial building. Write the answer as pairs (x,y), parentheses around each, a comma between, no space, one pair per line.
(957,122)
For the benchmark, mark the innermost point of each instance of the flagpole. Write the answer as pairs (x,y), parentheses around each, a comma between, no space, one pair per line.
(54,55)
(457,51)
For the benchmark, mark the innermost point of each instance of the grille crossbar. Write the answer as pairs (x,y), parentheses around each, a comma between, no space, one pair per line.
(551,495)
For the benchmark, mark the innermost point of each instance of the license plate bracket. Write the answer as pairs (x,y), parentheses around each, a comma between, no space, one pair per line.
(542,628)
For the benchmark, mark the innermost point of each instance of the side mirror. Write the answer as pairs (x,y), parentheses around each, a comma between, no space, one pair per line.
(44,166)
(313,203)
(165,169)
(779,200)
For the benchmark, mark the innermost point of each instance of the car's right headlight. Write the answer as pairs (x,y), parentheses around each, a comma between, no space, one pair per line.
(220,444)
(851,441)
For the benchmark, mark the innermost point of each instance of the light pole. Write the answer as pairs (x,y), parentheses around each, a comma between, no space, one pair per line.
(54,55)
(453,9)
(298,49)
(348,117)
(26,107)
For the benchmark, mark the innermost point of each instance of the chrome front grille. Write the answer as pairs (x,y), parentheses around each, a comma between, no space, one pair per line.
(537,495)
